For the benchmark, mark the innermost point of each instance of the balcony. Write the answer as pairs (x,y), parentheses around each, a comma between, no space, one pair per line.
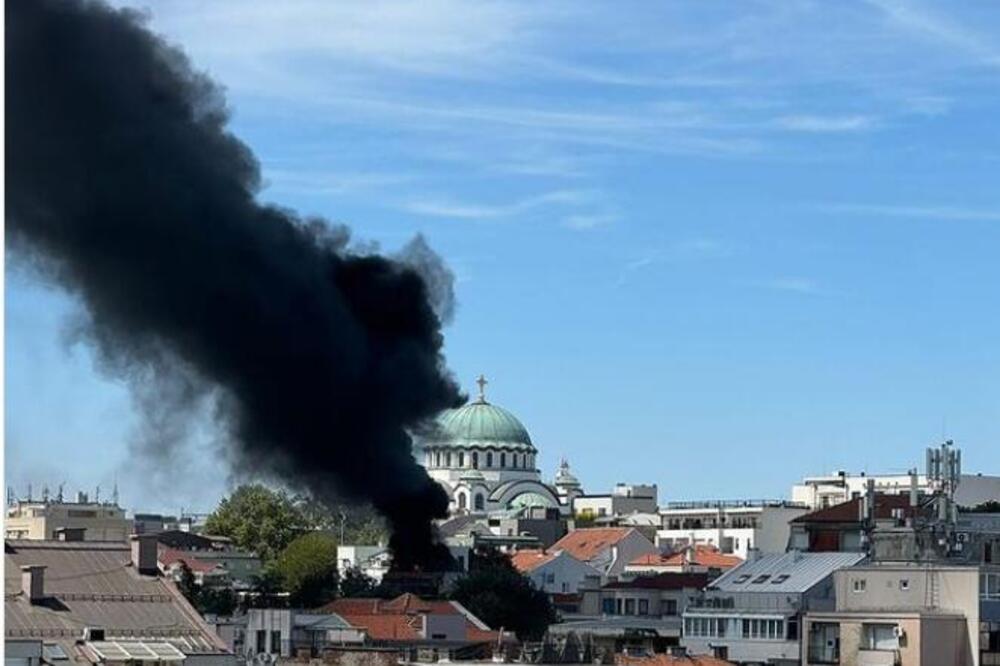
(878,658)
(823,654)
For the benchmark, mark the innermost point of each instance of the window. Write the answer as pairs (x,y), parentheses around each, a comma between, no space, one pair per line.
(668,607)
(275,642)
(741,579)
(746,628)
(780,578)
(643,606)
(480,502)
(437,459)
(447,459)
(503,459)
(904,584)
(608,606)
(489,459)
(630,606)
(462,501)
(261,641)
(461,459)
(859,585)
(475,459)
(793,629)
(618,606)
(761,579)
(879,637)
(550,578)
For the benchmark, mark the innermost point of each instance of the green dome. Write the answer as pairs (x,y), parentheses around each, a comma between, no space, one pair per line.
(480,424)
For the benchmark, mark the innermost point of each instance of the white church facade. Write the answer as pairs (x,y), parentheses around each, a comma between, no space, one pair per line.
(483,457)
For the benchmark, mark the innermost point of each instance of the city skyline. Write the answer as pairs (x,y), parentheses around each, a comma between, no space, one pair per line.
(710,251)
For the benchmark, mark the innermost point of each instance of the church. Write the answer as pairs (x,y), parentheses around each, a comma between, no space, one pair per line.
(483,457)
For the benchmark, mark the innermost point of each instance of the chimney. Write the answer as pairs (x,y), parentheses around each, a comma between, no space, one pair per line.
(145,554)
(33,582)
(913,489)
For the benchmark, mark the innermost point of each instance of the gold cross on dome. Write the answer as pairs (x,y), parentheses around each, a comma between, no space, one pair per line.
(482,388)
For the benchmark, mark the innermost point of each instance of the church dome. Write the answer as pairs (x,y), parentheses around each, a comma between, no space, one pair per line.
(480,424)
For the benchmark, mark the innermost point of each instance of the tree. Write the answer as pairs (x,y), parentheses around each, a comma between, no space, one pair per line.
(356,583)
(496,593)
(187,585)
(308,569)
(990,506)
(257,518)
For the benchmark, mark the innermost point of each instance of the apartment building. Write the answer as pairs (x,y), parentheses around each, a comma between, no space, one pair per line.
(900,614)
(734,527)
(56,519)
(752,614)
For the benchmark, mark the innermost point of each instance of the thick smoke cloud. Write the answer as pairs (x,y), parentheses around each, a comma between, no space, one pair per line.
(124,186)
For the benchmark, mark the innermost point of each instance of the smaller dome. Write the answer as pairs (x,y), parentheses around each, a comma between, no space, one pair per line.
(564,478)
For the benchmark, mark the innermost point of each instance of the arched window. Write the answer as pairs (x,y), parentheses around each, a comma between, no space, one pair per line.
(503,459)
(475,460)
(447,459)
(480,502)
(461,459)
(489,459)
(461,501)
(437,459)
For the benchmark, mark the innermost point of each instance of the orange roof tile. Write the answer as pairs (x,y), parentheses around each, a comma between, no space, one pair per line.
(703,555)
(399,619)
(526,561)
(584,544)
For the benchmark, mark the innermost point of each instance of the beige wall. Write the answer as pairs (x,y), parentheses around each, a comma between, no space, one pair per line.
(951,589)
(40,521)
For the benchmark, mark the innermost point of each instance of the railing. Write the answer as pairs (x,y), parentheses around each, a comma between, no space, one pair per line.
(735,504)
(823,654)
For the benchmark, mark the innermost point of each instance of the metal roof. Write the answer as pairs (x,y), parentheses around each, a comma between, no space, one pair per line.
(783,572)
(93,584)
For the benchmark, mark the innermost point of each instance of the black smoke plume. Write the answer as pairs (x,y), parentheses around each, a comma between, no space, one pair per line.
(125,187)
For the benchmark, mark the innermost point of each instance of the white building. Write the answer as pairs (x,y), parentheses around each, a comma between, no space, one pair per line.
(483,457)
(555,571)
(607,549)
(819,492)
(57,519)
(734,527)
(625,499)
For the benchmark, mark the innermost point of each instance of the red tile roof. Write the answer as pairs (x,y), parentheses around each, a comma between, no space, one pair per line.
(702,555)
(850,511)
(399,619)
(585,544)
(168,557)
(527,561)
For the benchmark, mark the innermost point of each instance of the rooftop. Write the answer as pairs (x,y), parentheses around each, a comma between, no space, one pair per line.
(93,584)
(700,555)
(528,560)
(850,511)
(791,572)
(585,544)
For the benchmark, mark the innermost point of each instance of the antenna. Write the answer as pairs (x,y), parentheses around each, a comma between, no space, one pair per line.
(114,492)
(29,492)
(97,494)
(59,497)
(45,493)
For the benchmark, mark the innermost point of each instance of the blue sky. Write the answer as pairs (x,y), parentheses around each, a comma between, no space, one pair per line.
(715,246)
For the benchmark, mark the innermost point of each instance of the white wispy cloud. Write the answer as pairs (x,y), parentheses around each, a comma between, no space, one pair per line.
(915,19)
(797,285)
(687,249)
(451,208)
(956,213)
(826,124)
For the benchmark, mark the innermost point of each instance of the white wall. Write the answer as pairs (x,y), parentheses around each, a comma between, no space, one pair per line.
(567,574)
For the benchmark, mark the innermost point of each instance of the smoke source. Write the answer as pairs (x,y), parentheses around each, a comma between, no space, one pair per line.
(124,186)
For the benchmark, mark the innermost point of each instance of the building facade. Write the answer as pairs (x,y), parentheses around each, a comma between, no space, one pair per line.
(734,527)
(898,615)
(44,519)
(752,614)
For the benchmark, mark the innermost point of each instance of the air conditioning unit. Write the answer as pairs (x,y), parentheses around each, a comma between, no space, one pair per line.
(898,632)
